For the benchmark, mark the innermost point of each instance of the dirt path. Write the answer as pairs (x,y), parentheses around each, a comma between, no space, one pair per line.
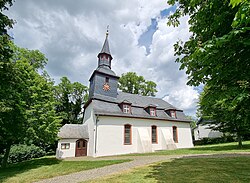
(136,162)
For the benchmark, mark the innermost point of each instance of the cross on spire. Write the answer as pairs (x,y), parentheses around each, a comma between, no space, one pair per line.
(107,33)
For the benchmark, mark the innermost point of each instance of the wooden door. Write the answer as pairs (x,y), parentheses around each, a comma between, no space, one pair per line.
(81,147)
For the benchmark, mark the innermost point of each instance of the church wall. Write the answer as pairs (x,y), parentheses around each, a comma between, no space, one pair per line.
(89,119)
(110,137)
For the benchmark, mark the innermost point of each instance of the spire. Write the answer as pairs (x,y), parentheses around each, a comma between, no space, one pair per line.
(105,48)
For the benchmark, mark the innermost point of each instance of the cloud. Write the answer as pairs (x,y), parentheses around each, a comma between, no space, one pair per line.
(71,34)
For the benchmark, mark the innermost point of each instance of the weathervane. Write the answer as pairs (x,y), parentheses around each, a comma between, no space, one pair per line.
(107,33)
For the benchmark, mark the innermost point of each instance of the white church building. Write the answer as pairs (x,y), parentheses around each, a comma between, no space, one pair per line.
(121,123)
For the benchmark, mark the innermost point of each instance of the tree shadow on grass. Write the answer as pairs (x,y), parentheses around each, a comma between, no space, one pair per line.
(18,168)
(221,148)
(212,169)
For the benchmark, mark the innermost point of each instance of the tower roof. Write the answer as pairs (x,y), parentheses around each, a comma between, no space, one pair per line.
(105,47)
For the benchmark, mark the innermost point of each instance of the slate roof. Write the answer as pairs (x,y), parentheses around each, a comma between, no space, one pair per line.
(69,131)
(105,48)
(104,105)
(106,70)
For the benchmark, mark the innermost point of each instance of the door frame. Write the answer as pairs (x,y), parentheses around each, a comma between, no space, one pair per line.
(77,149)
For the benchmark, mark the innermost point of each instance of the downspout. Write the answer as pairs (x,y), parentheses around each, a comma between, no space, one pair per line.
(96,121)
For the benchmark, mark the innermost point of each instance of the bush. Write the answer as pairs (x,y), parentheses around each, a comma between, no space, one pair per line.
(19,153)
(206,141)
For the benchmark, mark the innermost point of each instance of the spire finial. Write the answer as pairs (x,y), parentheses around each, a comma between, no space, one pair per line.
(107,33)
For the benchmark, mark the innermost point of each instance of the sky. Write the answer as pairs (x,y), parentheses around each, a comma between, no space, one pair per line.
(71,34)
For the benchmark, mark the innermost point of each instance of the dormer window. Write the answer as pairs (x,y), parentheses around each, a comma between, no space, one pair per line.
(125,106)
(173,114)
(152,111)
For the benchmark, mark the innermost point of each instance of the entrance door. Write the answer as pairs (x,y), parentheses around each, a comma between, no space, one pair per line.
(81,147)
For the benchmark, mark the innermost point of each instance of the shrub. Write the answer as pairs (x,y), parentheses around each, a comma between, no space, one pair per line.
(19,153)
(218,140)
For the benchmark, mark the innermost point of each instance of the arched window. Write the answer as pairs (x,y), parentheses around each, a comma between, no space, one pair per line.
(175,135)
(127,135)
(154,134)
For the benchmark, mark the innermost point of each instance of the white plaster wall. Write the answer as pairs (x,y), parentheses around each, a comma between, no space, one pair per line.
(90,119)
(203,131)
(110,135)
(65,153)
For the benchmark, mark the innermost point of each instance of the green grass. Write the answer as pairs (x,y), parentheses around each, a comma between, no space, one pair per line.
(48,167)
(205,149)
(199,170)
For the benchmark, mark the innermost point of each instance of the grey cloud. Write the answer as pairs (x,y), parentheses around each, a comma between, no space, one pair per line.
(71,34)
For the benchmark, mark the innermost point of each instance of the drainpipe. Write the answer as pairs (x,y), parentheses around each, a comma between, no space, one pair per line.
(96,121)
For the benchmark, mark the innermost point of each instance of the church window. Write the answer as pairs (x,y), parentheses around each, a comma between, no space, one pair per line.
(65,146)
(127,134)
(107,79)
(154,134)
(175,135)
(173,114)
(126,108)
(152,111)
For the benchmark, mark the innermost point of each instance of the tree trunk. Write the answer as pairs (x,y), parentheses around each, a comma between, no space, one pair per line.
(239,138)
(6,155)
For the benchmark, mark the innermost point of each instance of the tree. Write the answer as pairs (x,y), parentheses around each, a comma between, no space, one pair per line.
(217,55)
(70,98)
(5,23)
(27,103)
(131,83)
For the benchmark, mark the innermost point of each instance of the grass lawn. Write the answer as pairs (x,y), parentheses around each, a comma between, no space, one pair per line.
(205,149)
(199,170)
(47,167)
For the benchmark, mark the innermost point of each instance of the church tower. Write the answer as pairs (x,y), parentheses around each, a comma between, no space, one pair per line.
(104,81)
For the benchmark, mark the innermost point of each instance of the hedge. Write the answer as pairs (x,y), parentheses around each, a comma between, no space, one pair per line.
(21,152)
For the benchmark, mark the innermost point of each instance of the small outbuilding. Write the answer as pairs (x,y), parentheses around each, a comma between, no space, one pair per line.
(73,141)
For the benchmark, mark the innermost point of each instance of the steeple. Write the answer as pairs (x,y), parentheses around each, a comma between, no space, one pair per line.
(104,57)
(104,81)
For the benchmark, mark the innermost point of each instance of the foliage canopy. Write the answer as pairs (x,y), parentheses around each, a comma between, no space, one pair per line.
(70,98)
(132,83)
(218,55)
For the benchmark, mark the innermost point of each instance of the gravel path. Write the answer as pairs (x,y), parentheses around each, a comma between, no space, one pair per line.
(136,162)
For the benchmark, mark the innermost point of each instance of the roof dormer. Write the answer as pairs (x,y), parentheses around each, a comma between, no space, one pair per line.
(151,110)
(126,107)
(171,113)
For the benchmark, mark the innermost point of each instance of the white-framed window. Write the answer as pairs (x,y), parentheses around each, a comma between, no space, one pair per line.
(126,108)
(152,111)
(173,114)
(65,145)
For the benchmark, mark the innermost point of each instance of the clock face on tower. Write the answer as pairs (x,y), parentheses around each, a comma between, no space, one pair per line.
(106,87)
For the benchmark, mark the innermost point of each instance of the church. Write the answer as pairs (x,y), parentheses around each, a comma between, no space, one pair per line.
(122,123)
